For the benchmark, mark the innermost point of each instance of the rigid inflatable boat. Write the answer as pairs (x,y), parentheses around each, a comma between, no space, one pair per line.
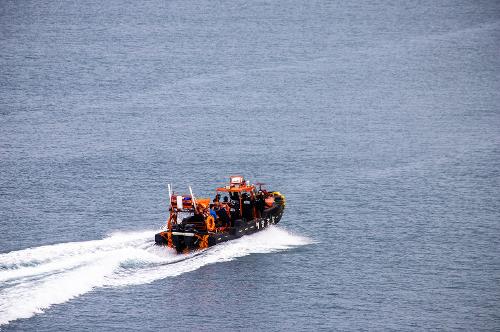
(238,209)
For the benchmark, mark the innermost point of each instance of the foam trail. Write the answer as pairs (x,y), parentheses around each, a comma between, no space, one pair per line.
(32,280)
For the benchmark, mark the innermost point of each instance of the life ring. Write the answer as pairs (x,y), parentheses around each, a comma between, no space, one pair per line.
(210,221)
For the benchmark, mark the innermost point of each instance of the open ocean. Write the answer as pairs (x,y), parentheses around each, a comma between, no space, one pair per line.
(379,121)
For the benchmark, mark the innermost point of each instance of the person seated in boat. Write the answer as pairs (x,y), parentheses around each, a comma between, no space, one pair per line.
(259,202)
(223,217)
(217,198)
(247,206)
(225,205)
(235,196)
(213,213)
(234,209)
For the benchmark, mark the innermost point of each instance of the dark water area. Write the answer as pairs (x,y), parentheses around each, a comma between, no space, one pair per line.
(379,121)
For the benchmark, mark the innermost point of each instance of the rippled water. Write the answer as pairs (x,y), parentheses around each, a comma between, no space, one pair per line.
(378,121)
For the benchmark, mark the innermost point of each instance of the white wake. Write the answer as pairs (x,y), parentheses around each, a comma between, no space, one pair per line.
(31,280)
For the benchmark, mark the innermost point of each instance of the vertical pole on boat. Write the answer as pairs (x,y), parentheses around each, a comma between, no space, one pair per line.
(169,194)
(169,221)
(192,197)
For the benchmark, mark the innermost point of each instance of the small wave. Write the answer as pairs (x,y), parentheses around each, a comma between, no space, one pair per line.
(34,279)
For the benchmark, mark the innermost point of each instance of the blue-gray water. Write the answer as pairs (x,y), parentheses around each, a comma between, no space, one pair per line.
(379,121)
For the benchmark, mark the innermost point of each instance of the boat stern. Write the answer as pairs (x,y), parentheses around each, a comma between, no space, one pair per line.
(183,241)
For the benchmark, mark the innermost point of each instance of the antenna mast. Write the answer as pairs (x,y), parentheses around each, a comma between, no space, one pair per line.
(192,197)
(170,195)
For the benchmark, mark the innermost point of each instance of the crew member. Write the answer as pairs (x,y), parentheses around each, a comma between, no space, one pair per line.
(217,198)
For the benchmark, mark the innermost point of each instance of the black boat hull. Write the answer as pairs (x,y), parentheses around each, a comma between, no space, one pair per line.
(189,240)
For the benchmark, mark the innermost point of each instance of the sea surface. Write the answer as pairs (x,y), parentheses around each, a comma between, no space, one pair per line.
(379,121)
